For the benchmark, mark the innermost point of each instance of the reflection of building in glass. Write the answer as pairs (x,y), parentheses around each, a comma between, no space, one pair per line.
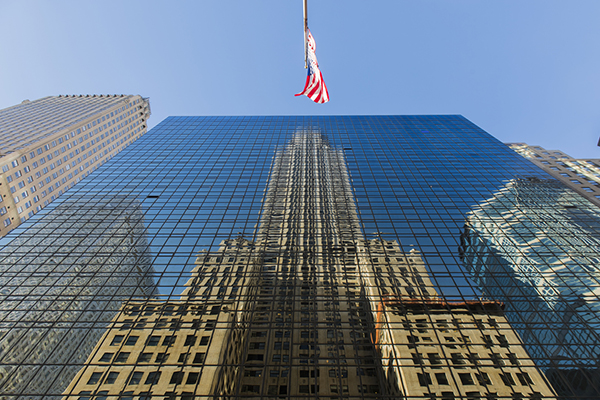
(432,347)
(291,313)
(581,175)
(50,144)
(177,347)
(533,247)
(62,285)
(463,350)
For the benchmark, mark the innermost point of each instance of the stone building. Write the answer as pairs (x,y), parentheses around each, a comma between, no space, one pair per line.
(50,144)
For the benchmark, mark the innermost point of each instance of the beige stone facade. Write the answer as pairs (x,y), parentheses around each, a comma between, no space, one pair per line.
(50,144)
(454,350)
(581,175)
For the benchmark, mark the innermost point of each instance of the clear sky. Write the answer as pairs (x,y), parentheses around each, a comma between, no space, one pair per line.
(522,70)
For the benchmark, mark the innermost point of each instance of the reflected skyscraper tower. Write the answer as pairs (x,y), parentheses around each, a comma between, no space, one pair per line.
(305,307)
(533,246)
(289,257)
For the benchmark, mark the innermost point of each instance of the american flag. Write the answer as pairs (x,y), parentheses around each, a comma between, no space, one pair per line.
(315,88)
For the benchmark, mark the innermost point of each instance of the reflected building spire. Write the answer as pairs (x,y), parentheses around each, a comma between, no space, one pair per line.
(308,308)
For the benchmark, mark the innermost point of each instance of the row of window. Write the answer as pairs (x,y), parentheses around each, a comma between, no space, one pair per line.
(38,121)
(123,357)
(481,378)
(137,378)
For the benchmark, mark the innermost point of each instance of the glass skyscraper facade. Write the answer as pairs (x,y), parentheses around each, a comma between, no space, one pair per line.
(305,257)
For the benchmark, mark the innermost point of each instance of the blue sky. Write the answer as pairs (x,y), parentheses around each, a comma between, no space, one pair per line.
(522,70)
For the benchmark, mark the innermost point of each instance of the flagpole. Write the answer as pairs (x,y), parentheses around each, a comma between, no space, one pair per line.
(305,35)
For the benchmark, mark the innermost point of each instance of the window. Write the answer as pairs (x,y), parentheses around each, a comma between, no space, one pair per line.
(251,388)
(117,340)
(513,359)
(192,378)
(434,358)
(190,340)
(176,378)
(507,379)
(441,378)
(111,378)
(94,378)
(183,358)
(162,357)
(204,340)
(135,378)
(169,340)
(153,378)
(424,379)
(199,358)
(255,373)
(131,340)
(144,357)
(466,379)
(524,379)
(122,357)
(458,359)
(106,357)
(502,340)
(496,359)
(153,341)
(483,379)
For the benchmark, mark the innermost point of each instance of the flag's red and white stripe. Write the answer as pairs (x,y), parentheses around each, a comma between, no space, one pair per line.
(315,88)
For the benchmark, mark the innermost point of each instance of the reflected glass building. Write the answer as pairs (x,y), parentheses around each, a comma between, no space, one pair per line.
(280,257)
(60,285)
(534,245)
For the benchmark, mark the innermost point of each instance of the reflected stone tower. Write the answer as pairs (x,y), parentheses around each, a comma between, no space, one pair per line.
(306,308)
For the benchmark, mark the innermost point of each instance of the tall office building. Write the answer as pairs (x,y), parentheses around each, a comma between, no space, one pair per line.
(267,310)
(297,257)
(50,144)
(581,175)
